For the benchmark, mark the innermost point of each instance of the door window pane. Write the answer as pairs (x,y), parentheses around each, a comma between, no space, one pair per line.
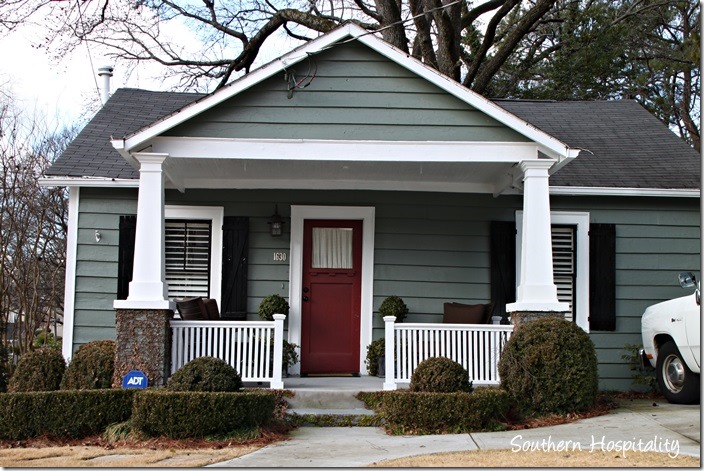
(332,247)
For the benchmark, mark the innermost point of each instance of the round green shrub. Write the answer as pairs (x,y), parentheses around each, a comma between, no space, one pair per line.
(550,366)
(440,374)
(205,374)
(38,370)
(272,304)
(92,366)
(393,306)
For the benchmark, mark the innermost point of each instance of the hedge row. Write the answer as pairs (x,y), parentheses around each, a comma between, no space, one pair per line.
(199,414)
(425,413)
(81,413)
(73,414)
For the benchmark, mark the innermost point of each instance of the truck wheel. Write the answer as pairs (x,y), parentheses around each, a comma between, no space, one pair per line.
(677,382)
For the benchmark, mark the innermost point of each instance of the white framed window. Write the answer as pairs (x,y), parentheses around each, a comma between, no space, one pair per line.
(570,246)
(193,251)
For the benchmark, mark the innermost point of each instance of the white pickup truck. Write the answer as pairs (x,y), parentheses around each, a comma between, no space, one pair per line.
(671,337)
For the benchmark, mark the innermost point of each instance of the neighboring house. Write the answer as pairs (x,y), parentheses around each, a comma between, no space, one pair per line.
(435,191)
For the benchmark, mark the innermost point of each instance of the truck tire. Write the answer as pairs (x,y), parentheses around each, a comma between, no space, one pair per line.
(676,381)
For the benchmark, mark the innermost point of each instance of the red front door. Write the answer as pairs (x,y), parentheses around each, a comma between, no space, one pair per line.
(332,274)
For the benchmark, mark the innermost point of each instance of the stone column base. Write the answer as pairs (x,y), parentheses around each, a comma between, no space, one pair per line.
(521,317)
(143,342)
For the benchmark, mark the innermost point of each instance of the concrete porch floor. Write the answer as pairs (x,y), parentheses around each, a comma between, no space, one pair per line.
(334,383)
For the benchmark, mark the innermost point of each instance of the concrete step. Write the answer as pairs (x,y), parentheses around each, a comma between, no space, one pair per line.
(351,412)
(324,399)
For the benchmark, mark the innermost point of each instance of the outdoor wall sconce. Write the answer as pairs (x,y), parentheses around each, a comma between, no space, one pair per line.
(98,236)
(276,223)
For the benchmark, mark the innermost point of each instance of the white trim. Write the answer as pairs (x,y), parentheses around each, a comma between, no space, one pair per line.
(608,191)
(581,220)
(101,182)
(331,184)
(215,214)
(106,182)
(549,145)
(70,280)
(298,215)
(345,150)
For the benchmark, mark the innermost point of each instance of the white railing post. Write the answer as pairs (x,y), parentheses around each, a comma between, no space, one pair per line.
(276,382)
(389,347)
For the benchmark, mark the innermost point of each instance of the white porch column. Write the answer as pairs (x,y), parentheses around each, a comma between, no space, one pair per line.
(147,288)
(536,289)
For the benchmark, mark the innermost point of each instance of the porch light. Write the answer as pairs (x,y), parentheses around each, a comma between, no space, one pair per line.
(98,236)
(276,223)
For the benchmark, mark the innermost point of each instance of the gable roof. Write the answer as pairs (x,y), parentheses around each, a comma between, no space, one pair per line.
(624,146)
(548,144)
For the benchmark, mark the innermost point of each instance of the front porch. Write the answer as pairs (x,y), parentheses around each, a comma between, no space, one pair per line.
(255,350)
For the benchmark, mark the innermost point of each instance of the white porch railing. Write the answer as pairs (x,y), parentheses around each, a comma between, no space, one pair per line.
(475,346)
(253,348)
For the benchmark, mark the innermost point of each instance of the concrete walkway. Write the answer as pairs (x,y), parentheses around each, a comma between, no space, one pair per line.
(636,424)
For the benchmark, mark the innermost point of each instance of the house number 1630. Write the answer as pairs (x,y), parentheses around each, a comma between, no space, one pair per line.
(279,256)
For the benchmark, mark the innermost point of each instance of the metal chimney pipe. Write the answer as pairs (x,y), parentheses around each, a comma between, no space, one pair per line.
(105,73)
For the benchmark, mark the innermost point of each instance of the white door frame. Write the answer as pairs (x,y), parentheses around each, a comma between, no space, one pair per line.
(298,215)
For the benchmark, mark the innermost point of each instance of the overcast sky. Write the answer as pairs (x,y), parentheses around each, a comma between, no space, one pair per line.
(64,91)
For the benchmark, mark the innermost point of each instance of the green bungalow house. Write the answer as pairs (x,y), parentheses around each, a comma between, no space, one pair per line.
(385,178)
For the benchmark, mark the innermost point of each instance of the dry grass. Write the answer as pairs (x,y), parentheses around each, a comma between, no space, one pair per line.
(540,459)
(95,456)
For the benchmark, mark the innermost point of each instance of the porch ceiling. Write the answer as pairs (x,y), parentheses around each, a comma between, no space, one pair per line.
(306,174)
(481,167)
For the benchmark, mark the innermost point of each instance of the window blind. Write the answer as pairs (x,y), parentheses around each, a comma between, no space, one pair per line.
(564,265)
(187,258)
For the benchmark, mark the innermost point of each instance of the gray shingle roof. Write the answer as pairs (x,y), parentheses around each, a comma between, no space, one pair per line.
(91,153)
(624,145)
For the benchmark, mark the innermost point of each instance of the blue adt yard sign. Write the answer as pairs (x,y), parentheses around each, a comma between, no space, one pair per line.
(135,379)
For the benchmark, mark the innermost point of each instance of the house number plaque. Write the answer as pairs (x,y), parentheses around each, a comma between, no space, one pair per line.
(279,256)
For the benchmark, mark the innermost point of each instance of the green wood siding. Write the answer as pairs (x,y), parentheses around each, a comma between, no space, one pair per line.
(96,262)
(355,94)
(430,248)
(656,238)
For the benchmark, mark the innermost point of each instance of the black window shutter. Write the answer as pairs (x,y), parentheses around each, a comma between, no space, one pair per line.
(602,277)
(125,255)
(503,266)
(235,243)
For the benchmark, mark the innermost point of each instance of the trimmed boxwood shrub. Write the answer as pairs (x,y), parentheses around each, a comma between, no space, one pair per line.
(393,306)
(459,412)
(38,370)
(72,413)
(440,374)
(199,414)
(550,366)
(205,374)
(272,304)
(91,367)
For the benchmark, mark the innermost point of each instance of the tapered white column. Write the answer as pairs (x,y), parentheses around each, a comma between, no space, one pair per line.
(147,288)
(536,289)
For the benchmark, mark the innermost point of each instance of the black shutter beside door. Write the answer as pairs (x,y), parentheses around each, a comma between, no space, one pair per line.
(125,255)
(503,266)
(602,277)
(235,244)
